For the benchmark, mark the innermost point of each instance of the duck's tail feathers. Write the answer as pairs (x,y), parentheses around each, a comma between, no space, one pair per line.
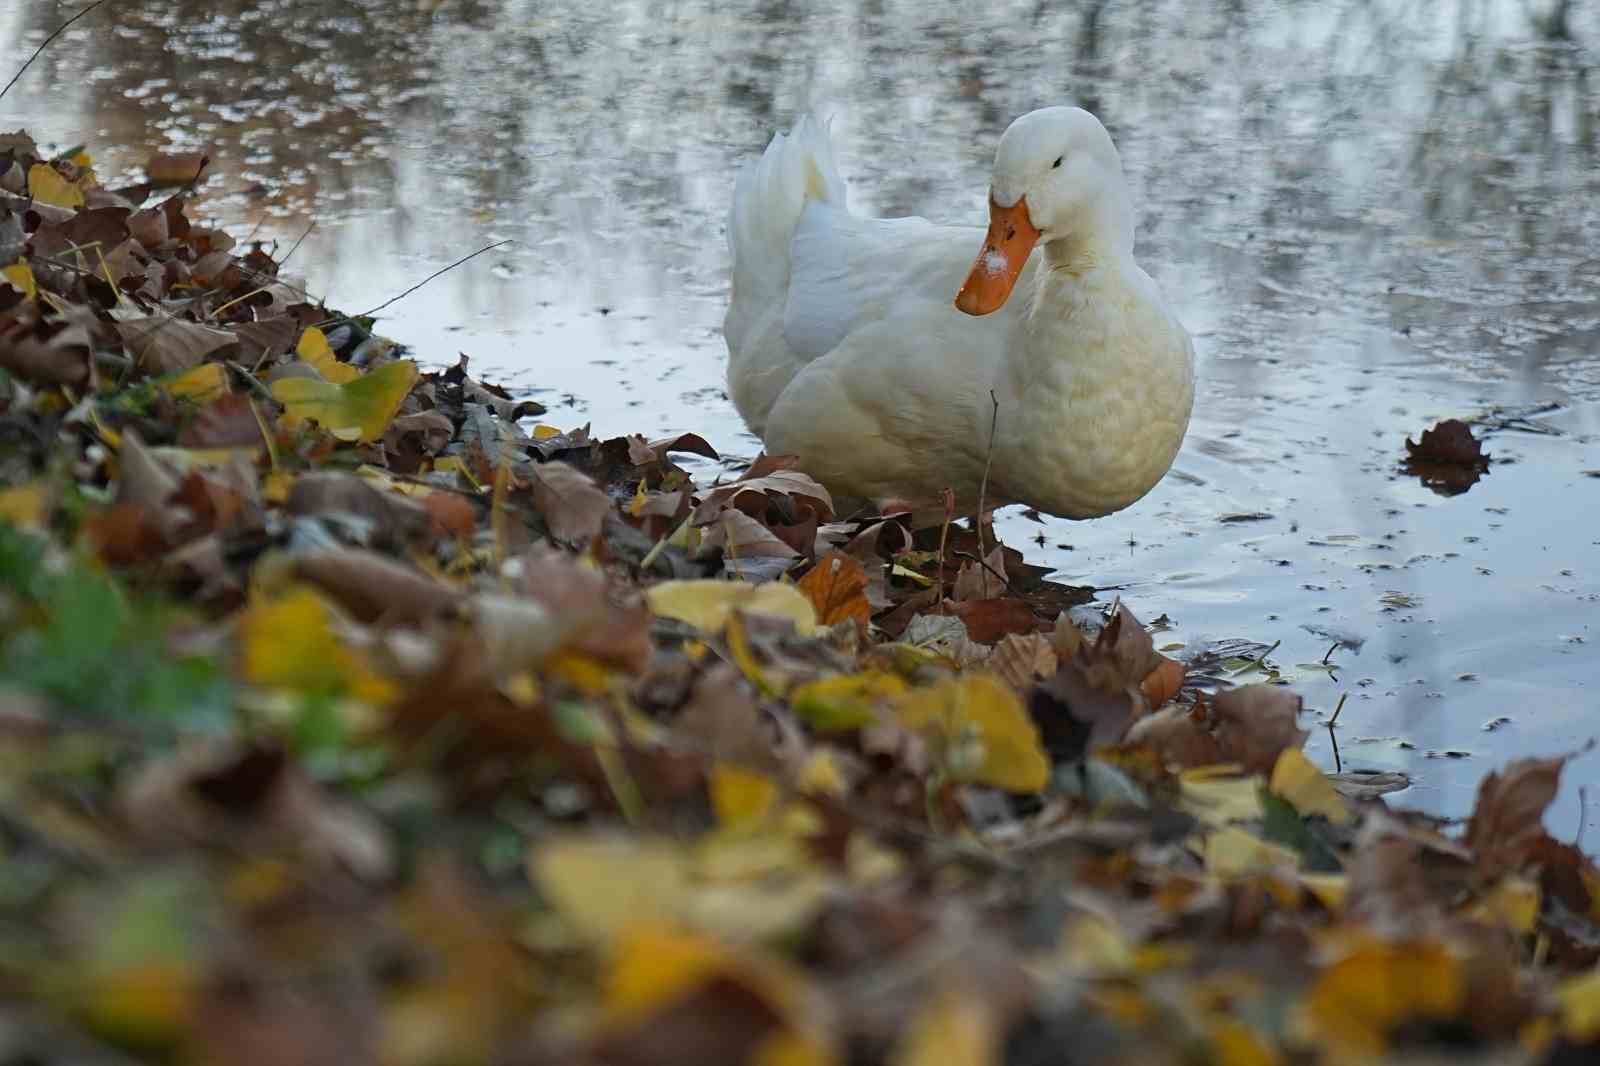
(769,197)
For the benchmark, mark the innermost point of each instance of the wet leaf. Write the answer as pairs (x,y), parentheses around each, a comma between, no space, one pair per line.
(360,410)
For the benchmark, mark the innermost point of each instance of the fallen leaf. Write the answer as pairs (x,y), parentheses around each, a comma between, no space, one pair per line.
(360,410)
(1508,817)
(1304,787)
(707,604)
(314,350)
(164,344)
(1022,660)
(289,642)
(204,383)
(982,730)
(836,587)
(46,185)
(955,1027)
(1359,1000)
(846,701)
(573,506)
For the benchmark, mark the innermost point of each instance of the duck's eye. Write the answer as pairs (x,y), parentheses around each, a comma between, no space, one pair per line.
(1057,163)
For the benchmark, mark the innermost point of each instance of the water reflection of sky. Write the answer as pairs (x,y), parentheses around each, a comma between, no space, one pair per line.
(1372,213)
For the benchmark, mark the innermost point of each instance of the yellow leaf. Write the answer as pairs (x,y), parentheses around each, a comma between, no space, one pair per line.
(315,350)
(1580,1006)
(25,506)
(846,701)
(654,965)
(1217,800)
(146,1004)
(276,485)
(982,730)
(955,1027)
(1304,787)
(1230,852)
(601,885)
(706,604)
(200,384)
(359,410)
(1330,889)
(20,275)
(821,774)
(384,479)
(1513,903)
(46,185)
(1092,943)
(545,432)
(453,464)
(1234,1043)
(289,643)
(584,673)
(1359,999)
(741,797)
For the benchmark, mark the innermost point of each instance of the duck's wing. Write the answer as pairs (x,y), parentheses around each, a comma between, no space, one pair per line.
(848,272)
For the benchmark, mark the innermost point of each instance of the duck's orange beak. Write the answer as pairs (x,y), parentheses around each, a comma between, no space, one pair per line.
(1005,251)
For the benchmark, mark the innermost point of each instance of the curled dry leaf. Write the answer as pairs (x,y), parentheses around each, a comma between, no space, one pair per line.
(1508,817)
(373,587)
(836,587)
(164,344)
(572,505)
(1251,725)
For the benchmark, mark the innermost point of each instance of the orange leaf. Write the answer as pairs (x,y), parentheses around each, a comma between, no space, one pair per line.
(837,588)
(1163,683)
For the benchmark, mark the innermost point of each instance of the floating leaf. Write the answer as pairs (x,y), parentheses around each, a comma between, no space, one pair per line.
(360,410)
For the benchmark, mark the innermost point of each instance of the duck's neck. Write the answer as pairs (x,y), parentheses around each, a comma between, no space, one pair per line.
(1104,237)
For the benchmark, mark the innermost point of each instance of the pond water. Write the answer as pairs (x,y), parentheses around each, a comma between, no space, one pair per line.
(1371,213)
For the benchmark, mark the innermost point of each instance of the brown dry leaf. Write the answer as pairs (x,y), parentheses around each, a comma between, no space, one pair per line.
(721,722)
(47,351)
(228,792)
(1507,819)
(1253,724)
(836,587)
(989,620)
(738,536)
(615,635)
(163,344)
(1164,682)
(1022,660)
(768,476)
(226,422)
(372,587)
(1180,736)
(1450,441)
(169,168)
(572,505)
(982,581)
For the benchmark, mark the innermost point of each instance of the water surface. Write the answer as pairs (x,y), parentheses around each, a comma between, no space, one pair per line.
(1371,213)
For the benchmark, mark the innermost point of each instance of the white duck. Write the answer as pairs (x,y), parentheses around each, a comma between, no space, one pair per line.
(844,347)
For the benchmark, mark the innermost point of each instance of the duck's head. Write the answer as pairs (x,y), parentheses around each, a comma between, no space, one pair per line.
(1053,168)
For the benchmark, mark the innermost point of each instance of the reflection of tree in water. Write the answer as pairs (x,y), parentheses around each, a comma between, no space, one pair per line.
(606,136)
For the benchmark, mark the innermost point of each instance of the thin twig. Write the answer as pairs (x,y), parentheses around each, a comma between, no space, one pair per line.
(58,32)
(1337,708)
(1583,815)
(944,535)
(298,241)
(420,284)
(661,545)
(983,486)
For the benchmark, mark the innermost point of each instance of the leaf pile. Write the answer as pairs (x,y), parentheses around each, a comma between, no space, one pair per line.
(350,714)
